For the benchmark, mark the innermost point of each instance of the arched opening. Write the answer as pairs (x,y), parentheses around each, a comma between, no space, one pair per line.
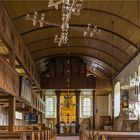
(117,97)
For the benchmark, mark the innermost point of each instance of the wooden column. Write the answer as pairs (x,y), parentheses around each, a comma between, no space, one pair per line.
(77,94)
(11,116)
(12,58)
(58,110)
(94,110)
(41,118)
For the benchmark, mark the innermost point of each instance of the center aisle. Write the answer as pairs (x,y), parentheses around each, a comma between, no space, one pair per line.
(68,138)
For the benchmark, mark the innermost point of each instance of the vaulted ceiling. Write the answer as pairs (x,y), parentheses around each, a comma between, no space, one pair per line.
(109,55)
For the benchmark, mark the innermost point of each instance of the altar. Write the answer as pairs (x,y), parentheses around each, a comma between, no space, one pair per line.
(68,128)
(68,122)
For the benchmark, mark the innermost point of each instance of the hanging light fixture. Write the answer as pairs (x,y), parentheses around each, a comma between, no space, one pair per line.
(90,32)
(68,97)
(69,8)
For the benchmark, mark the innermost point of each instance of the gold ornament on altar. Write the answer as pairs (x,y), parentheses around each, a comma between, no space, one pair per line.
(68,108)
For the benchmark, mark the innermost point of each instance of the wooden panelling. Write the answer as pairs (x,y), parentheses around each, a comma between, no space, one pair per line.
(38,103)
(28,95)
(12,38)
(9,79)
(60,69)
(25,90)
(103,84)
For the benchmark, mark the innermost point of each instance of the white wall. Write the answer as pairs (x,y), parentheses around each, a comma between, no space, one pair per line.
(102,105)
(128,70)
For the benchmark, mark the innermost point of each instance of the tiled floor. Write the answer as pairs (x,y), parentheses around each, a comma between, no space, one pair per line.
(68,138)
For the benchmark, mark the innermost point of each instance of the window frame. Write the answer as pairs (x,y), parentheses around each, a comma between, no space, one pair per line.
(54,107)
(82,115)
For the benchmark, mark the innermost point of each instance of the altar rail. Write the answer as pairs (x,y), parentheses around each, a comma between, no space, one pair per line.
(97,135)
(28,135)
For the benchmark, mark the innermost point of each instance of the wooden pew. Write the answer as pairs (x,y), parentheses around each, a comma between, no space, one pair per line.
(15,136)
(121,135)
(90,135)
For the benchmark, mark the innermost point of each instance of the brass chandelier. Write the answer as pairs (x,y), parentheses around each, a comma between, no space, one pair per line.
(69,8)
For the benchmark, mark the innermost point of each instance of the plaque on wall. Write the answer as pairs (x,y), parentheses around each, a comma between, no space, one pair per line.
(30,118)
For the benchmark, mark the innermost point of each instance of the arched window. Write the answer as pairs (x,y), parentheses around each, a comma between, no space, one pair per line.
(117,99)
(50,107)
(86,107)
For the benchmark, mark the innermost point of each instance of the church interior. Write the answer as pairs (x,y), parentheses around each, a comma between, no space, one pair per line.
(69,69)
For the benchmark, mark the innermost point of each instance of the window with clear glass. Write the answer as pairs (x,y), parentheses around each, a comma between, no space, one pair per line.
(50,107)
(86,107)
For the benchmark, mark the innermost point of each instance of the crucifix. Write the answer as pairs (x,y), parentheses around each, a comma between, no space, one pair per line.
(68,115)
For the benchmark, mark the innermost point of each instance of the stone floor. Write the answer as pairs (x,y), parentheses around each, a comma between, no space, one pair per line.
(68,138)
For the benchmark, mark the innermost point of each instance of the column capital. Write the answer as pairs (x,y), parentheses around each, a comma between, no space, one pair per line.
(94,91)
(58,92)
(77,92)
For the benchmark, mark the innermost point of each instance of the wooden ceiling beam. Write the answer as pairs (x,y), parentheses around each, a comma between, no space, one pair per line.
(107,74)
(102,67)
(81,26)
(124,19)
(97,73)
(99,50)
(81,37)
